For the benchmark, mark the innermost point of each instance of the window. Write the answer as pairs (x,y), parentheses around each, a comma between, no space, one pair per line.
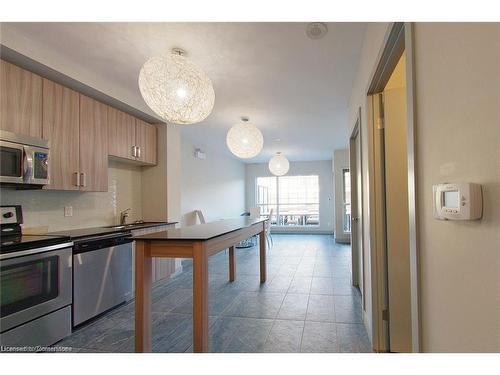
(346,199)
(294,199)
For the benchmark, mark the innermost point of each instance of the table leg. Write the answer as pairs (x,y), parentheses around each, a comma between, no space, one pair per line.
(231,263)
(200,299)
(143,267)
(262,238)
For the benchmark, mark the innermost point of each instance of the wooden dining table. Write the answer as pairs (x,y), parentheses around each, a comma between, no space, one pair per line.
(197,242)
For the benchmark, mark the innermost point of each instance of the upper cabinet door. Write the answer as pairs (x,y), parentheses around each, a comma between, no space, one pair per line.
(21,101)
(61,119)
(121,134)
(146,140)
(93,145)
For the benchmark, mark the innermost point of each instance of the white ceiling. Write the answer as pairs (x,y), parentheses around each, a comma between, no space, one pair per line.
(293,88)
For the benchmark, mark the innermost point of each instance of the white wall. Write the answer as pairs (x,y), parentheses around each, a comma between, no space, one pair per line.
(161,190)
(458,139)
(216,185)
(340,161)
(322,168)
(457,135)
(90,209)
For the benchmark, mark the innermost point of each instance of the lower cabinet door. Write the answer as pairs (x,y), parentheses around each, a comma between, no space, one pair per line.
(162,267)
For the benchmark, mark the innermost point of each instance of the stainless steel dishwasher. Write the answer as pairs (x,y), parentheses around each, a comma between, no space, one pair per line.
(102,274)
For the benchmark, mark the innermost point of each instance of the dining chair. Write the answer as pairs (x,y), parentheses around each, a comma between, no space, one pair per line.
(255,212)
(269,238)
(201,218)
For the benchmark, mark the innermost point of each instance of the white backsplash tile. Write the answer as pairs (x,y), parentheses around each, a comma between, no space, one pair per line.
(90,209)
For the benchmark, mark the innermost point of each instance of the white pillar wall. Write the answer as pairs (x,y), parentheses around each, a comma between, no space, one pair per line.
(161,191)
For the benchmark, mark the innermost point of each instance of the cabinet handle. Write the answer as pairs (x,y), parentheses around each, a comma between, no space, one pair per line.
(76,176)
(138,152)
(133,151)
(83,180)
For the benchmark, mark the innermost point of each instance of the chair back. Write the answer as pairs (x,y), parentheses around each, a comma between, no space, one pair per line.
(254,212)
(269,219)
(201,218)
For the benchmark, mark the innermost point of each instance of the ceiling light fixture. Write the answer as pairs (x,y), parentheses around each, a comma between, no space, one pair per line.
(176,89)
(279,165)
(244,140)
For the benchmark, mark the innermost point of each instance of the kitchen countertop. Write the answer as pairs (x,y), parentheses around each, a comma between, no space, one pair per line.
(89,232)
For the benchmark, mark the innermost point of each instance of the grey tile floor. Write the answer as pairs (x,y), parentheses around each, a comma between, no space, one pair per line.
(307,305)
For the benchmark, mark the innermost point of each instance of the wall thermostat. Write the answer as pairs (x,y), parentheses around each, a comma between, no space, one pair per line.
(199,154)
(460,201)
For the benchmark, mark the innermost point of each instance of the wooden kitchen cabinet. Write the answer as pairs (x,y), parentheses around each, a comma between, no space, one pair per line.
(93,145)
(121,134)
(146,141)
(82,131)
(76,127)
(130,138)
(61,126)
(20,100)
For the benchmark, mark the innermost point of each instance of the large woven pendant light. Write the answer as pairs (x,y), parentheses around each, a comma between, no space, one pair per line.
(244,139)
(176,89)
(279,165)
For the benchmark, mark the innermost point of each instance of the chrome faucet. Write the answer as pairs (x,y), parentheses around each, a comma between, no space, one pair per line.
(123,216)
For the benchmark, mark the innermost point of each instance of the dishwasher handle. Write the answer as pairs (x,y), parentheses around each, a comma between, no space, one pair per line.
(100,243)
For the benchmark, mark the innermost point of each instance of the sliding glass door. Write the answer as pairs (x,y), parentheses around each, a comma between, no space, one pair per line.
(293,199)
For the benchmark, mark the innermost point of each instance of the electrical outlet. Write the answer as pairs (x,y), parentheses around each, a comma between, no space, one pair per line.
(68,211)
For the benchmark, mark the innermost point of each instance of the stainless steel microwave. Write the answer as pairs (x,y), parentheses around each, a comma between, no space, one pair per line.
(24,160)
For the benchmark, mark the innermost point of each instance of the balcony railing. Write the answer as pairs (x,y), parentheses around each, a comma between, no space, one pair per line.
(292,214)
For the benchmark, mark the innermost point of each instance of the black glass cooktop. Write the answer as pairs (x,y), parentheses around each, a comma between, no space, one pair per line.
(12,243)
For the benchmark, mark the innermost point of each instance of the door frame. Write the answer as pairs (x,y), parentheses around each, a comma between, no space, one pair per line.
(398,39)
(356,206)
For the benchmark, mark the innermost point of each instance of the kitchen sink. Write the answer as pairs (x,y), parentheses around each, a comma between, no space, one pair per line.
(119,226)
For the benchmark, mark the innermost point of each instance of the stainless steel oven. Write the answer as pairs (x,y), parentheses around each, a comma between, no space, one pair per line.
(24,160)
(36,295)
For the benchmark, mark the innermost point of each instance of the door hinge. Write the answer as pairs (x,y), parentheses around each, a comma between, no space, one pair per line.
(380,123)
(385,315)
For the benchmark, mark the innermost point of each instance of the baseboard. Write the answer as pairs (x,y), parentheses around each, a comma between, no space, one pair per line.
(340,240)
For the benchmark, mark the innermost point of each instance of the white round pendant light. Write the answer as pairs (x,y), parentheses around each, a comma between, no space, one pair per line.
(244,140)
(279,165)
(176,89)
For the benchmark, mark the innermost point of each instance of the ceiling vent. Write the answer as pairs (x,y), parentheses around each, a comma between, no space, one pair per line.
(316,30)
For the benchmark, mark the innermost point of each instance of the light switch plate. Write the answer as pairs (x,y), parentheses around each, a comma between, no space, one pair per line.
(68,211)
